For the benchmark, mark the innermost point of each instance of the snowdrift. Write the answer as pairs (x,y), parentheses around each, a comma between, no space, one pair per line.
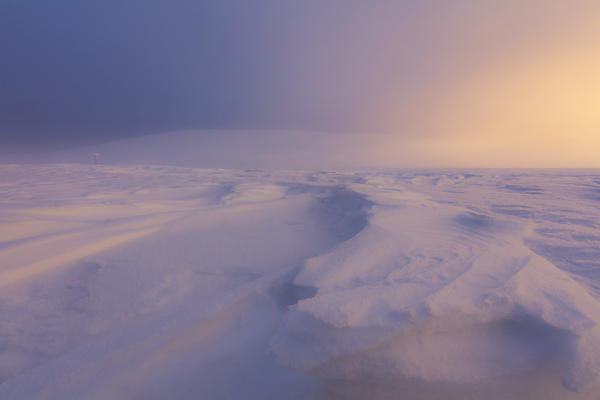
(168,282)
(438,292)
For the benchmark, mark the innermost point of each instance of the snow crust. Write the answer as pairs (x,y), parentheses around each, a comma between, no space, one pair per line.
(439,292)
(169,282)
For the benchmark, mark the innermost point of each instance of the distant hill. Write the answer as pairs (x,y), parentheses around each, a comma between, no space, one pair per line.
(223,149)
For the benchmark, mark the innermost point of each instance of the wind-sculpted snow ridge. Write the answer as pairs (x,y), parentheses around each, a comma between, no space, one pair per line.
(439,292)
(154,282)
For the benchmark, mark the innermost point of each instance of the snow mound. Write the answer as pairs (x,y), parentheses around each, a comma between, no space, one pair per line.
(438,292)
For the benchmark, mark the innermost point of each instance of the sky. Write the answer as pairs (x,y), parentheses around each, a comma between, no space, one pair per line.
(462,82)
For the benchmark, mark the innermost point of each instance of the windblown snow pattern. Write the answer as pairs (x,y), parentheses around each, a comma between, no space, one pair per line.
(153,282)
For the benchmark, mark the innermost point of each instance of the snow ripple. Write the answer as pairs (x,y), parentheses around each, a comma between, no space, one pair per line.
(439,292)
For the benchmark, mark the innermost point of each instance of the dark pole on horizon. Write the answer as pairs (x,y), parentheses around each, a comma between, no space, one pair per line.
(96,155)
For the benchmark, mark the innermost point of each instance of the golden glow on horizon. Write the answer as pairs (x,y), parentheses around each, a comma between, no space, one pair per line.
(532,112)
(514,102)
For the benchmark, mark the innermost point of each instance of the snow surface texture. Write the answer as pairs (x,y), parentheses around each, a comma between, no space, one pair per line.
(153,282)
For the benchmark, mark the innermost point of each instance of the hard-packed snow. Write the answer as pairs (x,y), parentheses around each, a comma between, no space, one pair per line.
(147,281)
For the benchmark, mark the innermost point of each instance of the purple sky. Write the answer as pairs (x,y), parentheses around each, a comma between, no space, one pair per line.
(74,71)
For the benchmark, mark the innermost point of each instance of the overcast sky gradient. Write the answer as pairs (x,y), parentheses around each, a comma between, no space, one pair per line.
(477,78)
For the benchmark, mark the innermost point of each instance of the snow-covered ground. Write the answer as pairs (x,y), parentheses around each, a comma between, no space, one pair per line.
(155,282)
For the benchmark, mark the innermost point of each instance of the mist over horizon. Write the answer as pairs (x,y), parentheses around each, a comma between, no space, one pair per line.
(482,84)
(284,150)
